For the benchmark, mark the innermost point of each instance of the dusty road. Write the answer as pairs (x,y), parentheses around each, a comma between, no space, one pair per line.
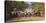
(25,18)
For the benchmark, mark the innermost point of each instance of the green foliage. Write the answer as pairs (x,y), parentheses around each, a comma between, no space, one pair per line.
(10,5)
(38,6)
(19,5)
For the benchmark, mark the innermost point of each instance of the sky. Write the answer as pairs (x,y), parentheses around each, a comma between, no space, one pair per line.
(28,2)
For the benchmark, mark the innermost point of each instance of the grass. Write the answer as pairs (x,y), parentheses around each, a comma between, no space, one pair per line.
(23,19)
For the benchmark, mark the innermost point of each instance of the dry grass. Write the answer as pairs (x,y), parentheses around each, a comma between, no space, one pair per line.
(20,19)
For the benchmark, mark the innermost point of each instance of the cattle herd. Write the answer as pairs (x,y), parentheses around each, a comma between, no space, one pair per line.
(25,14)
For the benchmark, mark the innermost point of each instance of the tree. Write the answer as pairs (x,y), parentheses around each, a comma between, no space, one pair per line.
(38,7)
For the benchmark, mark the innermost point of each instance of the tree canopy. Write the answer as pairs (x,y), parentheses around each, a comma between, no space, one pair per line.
(10,5)
(38,6)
